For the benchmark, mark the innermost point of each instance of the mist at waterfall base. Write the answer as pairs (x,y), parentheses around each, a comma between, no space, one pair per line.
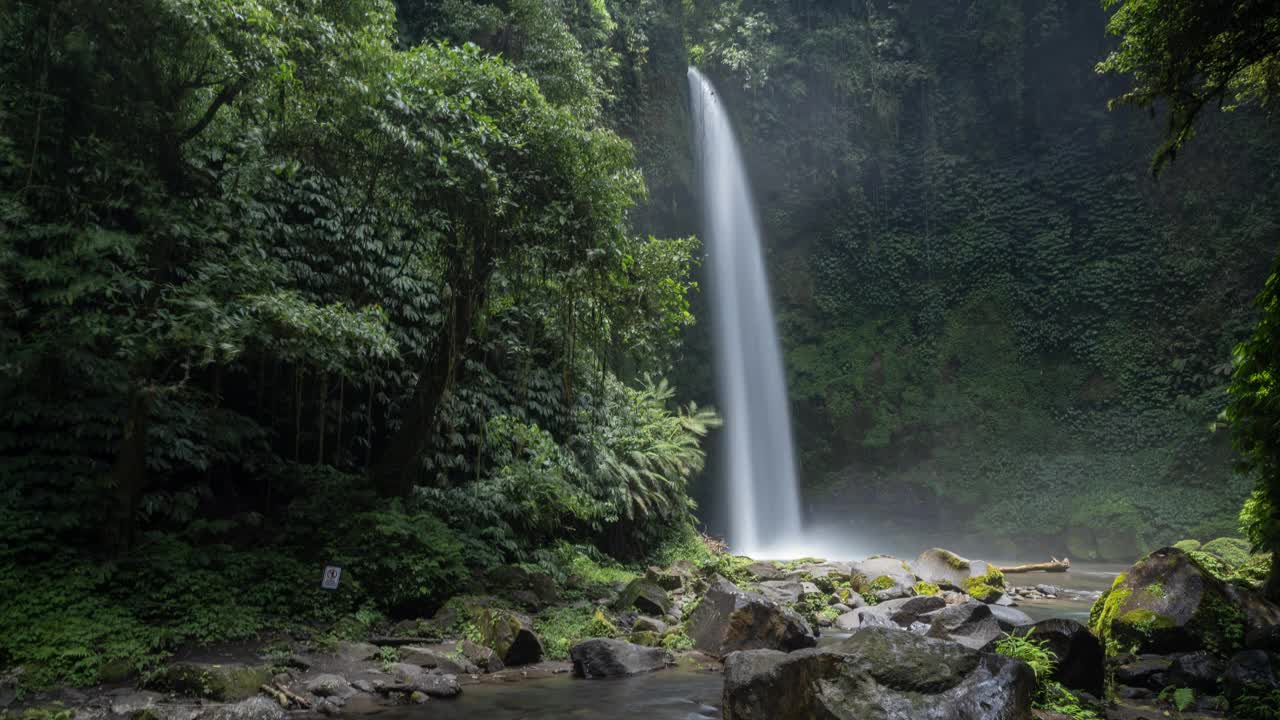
(760,489)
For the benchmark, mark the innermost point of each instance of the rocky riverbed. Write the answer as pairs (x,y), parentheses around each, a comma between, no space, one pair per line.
(743,639)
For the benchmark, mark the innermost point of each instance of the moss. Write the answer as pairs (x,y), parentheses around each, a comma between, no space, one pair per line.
(955,561)
(1145,621)
(981,591)
(1232,551)
(1219,624)
(648,638)
(1105,611)
(1211,564)
(884,582)
(1156,589)
(926,588)
(563,627)
(1187,545)
(677,639)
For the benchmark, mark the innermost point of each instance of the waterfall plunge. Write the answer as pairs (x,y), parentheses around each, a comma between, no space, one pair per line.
(764,507)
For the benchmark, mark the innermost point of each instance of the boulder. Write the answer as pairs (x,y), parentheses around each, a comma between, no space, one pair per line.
(667,578)
(728,619)
(885,577)
(354,652)
(1260,614)
(648,624)
(444,658)
(602,658)
(766,571)
(411,679)
(942,567)
(783,592)
(482,657)
(971,624)
(254,708)
(645,595)
(863,617)
(1168,603)
(1148,671)
(509,634)
(877,674)
(1249,672)
(221,682)
(1198,670)
(1080,656)
(1010,618)
(905,611)
(329,685)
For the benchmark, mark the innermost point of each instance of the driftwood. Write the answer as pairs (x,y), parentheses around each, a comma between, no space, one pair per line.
(284,697)
(276,695)
(1054,565)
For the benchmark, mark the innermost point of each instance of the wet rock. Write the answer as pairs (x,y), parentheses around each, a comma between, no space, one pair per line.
(1249,672)
(221,682)
(877,673)
(666,578)
(364,686)
(482,657)
(1080,656)
(841,608)
(1199,671)
(1134,693)
(644,595)
(729,619)
(131,703)
(510,635)
(330,685)
(766,571)
(783,592)
(1167,603)
(1149,671)
(942,567)
(863,617)
(411,678)
(445,658)
(602,658)
(254,708)
(905,611)
(648,624)
(1010,618)
(886,577)
(971,624)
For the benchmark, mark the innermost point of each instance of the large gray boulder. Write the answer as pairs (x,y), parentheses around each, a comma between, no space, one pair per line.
(970,623)
(863,617)
(646,595)
(603,658)
(877,674)
(942,567)
(729,619)
(905,611)
(1168,603)
(886,577)
(781,591)
(329,685)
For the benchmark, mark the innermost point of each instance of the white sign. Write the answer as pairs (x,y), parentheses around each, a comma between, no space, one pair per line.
(332,574)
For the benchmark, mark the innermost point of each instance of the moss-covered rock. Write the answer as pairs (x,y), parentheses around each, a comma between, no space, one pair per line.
(1168,602)
(645,595)
(222,682)
(509,633)
(648,638)
(942,567)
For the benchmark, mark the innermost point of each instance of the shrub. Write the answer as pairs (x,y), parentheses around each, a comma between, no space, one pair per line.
(409,563)
(563,627)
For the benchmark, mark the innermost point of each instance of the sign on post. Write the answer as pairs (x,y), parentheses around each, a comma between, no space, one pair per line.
(332,574)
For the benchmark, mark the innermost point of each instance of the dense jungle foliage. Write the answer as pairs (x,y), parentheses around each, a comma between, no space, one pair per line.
(408,287)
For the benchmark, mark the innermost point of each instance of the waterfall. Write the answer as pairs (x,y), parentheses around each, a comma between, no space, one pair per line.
(763,496)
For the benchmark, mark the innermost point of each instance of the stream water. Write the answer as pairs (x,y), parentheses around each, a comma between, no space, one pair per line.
(683,694)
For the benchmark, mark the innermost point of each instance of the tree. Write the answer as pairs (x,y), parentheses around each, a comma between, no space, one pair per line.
(1192,54)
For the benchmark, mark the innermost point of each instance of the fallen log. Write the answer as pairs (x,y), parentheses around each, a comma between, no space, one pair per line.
(295,698)
(1054,565)
(276,695)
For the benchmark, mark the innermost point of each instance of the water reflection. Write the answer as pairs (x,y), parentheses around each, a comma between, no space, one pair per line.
(665,695)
